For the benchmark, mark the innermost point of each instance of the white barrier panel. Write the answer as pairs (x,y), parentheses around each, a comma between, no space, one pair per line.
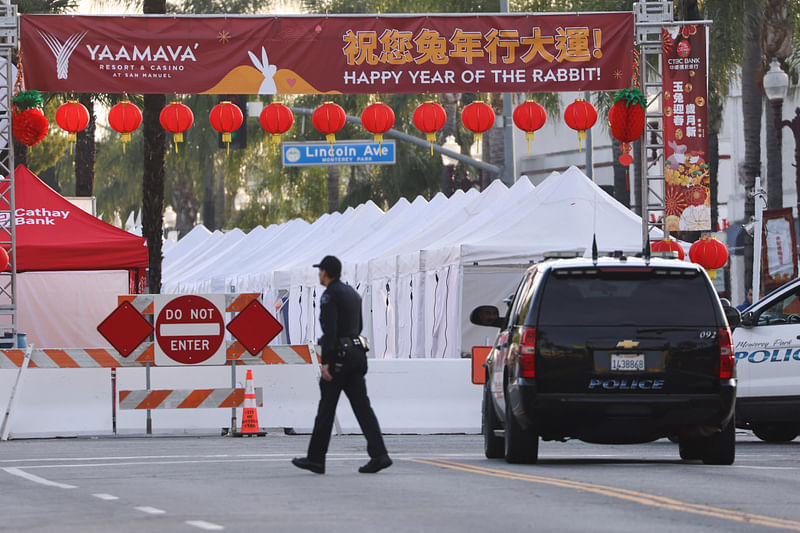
(409,396)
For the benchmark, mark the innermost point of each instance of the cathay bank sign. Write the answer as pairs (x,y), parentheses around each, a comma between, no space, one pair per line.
(34,217)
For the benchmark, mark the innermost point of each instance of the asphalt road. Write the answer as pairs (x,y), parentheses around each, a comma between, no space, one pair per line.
(438,483)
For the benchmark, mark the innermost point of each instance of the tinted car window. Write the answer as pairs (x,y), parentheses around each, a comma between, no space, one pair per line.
(787,309)
(614,297)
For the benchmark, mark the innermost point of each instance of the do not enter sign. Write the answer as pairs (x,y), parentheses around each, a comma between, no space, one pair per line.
(190,330)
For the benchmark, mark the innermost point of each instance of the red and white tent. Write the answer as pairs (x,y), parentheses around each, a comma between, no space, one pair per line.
(55,235)
(72,265)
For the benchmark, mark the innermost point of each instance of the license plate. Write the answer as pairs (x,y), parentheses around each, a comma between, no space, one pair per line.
(627,362)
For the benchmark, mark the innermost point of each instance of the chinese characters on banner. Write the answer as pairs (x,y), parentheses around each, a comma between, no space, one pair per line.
(684,75)
(328,54)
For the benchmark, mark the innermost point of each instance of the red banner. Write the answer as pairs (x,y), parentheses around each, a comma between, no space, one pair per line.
(685,86)
(327,54)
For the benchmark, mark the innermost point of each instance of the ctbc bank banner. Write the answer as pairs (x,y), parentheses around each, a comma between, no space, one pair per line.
(684,72)
(327,54)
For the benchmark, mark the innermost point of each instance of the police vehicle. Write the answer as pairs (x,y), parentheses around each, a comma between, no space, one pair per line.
(610,350)
(767,353)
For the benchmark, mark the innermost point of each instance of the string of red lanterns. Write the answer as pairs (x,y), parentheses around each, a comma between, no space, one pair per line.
(625,117)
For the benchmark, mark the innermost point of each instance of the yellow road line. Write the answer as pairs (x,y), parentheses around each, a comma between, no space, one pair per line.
(642,498)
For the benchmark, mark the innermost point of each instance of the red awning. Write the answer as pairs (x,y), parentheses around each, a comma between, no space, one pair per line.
(53,234)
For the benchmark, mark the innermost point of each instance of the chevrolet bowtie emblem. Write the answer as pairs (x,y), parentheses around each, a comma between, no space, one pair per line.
(627,344)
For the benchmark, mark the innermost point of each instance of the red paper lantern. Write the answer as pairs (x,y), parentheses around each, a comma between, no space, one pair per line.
(4,259)
(626,119)
(276,119)
(478,117)
(429,117)
(377,118)
(529,117)
(580,115)
(226,118)
(72,117)
(176,118)
(710,254)
(329,118)
(124,118)
(30,126)
(667,245)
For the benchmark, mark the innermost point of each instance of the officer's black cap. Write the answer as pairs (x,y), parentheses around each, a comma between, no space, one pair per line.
(331,265)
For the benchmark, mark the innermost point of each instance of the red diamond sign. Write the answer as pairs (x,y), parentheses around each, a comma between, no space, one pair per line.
(254,327)
(125,328)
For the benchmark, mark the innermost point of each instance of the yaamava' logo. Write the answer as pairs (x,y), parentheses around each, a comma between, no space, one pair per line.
(62,51)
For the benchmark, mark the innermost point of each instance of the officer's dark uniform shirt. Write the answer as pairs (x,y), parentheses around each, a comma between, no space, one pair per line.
(340,316)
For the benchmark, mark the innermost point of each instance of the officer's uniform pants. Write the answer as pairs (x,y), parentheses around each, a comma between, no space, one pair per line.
(355,387)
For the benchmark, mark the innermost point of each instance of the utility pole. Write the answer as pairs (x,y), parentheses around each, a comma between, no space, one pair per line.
(509,175)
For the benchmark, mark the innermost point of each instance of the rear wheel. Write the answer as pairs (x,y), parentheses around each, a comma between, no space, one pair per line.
(690,450)
(521,445)
(775,432)
(720,448)
(493,446)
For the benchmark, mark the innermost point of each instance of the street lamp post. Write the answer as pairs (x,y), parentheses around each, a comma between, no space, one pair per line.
(776,85)
(449,163)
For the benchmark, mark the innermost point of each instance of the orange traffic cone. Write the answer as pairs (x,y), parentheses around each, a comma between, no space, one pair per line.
(250,410)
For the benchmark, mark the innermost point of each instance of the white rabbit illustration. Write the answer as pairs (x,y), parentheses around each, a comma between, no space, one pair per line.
(268,85)
(678,155)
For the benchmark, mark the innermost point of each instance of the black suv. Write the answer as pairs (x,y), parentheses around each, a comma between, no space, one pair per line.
(614,350)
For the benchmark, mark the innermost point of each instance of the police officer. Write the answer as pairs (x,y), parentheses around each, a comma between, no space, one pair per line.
(344,365)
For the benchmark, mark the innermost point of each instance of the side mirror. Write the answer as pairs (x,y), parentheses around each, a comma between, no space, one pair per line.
(748,319)
(486,315)
(733,315)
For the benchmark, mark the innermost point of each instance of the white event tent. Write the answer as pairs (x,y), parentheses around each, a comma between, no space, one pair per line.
(420,267)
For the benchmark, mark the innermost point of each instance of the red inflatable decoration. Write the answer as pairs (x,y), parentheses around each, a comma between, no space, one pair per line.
(529,117)
(72,117)
(580,115)
(176,118)
(377,118)
(710,254)
(124,118)
(276,119)
(4,259)
(30,126)
(667,245)
(329,118)
(478,117)
(626,118)
(226,118)
(429,117)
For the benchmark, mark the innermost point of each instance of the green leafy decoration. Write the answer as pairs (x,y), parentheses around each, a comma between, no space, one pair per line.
(630,97)
(28,100)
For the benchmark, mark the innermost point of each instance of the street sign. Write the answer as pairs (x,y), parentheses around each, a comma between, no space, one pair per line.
(125,328)
(190,329)
(296,154)
(254,327)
